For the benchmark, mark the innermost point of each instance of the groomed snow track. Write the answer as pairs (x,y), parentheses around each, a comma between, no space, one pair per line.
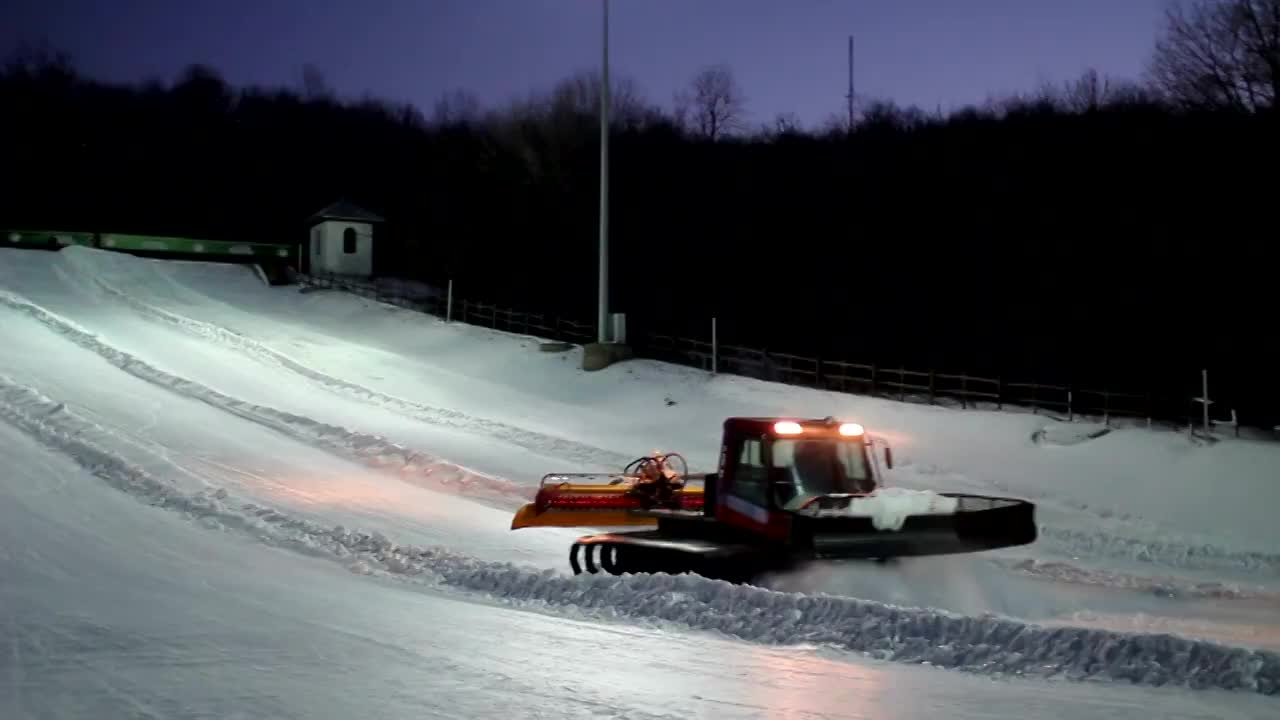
(1067,542)
(569,450)
(985,645)
(370,450)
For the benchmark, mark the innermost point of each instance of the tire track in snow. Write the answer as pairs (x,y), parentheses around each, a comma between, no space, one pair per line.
(538,442)
(370,450)
(985,645)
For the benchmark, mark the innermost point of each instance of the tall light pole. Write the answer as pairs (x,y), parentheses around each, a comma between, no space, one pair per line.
(603,328)
(851,96)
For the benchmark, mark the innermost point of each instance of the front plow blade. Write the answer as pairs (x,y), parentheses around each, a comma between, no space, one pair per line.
(979,523)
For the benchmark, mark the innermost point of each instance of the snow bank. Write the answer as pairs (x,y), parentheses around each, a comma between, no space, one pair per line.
(370,450)
(986,645)
(538,442)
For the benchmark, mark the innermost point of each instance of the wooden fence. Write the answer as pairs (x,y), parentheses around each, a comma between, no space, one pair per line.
(431,300)
(931,387)
(908,385)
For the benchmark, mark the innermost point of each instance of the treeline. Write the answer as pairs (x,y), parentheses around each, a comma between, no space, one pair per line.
(1101,232)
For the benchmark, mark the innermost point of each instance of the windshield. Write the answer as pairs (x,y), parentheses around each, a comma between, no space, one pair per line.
(819,467)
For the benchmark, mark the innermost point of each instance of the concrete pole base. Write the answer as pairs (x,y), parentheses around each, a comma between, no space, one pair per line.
(598,356)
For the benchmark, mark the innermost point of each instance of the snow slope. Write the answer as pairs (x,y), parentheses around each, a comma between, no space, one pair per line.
(116,609)
(1128,472)
(1136,494)
(396,445)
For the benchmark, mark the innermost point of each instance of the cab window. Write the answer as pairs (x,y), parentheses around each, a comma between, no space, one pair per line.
(751,478)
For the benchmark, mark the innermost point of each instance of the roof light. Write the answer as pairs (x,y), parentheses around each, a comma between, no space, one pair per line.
(786,427)
(851,429)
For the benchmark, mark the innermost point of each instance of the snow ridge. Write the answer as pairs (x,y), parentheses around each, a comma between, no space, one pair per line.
(542,443)
(1172,587)
(986,645)
(1100,543)
(370,450)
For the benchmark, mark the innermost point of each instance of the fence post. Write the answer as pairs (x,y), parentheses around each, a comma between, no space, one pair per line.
(448,312)
(715,349)
(1071,412)
(1204,402)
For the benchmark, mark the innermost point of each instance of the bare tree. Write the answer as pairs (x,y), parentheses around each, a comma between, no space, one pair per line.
(456,107)
(1091,92)
(32,60)
(834,125)
(580,95)
(1220,54)
(551,131)
(314,84)
(786,123)
(783,124)
(202,89)
(714,105)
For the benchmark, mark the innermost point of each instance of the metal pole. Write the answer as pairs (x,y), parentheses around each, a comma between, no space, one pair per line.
(1204,394)
(850,83)
(448,312)
(603,330)
(715,349)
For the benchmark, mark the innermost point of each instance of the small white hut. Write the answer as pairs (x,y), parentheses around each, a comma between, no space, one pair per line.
(341,241)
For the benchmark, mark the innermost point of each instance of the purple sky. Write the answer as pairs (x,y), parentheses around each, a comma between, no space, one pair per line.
(789,55)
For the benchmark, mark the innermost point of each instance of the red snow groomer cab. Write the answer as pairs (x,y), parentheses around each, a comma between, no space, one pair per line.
(786,492)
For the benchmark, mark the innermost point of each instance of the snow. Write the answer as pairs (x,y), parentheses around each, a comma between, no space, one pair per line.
(983,645)
(297,505)
(890,507)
